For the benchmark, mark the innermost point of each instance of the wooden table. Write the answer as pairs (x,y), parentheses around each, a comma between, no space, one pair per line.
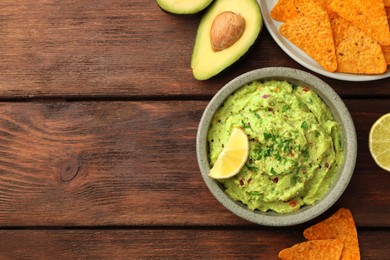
(99,112)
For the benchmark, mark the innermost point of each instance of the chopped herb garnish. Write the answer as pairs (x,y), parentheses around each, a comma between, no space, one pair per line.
(257,116)
(295,179)
(255,193)
(244,125)
(268,152)
(267,136)
(294,163)
(305,153)
(285,108)
(273,172)
(304,125)
(286,147)
(258,153)
(251,167)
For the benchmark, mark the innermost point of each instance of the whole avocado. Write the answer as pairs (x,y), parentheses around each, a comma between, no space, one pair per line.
(183,6)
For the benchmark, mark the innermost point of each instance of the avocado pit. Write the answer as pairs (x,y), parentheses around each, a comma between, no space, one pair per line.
(226,29)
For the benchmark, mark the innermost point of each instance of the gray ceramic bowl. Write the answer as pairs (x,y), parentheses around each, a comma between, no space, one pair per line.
(340,113)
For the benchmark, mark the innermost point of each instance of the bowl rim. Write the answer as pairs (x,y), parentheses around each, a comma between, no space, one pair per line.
(339,112)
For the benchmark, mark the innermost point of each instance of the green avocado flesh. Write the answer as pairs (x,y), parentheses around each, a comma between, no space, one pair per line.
(183,6)
(207,63)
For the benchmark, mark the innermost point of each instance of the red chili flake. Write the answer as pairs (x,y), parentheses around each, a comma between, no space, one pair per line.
(249,180)
(270,109)
(327,165)
(241,182)
(266,96)
(291,154)
(292,203)
(275,180)
(306,89)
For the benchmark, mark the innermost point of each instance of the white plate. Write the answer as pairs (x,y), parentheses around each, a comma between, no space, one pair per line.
(301,57)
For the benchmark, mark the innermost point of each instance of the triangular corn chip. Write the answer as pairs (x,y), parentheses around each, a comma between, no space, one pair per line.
(329,249)
(340,225)
(284,10)
(387,57)
(311,31)
(368,15)
(356,52)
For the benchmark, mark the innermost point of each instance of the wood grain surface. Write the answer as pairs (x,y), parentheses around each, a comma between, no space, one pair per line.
(166,244)
(134,163)
(98,118)
(117,48)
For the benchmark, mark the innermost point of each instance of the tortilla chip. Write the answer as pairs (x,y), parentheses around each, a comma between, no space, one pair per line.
(368,15)
(387,57)
(388,14)
(386,48)
(284,10)
(311,32)
(340,225)
(356,52)
(387,3)
(314,250)
(302,4)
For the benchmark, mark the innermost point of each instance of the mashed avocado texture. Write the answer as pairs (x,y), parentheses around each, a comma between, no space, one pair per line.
(295,145)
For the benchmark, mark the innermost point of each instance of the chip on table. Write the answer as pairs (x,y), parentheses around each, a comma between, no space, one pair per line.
(329,249)
(340,225)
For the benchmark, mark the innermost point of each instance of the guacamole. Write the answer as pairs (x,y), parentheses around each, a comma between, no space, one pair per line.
(295,145)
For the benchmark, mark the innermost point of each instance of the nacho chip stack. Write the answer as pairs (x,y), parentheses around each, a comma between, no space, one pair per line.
(333,238)
(339,226)
(350,36)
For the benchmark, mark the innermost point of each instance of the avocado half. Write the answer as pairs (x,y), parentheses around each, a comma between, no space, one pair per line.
(183,6)
(206,62)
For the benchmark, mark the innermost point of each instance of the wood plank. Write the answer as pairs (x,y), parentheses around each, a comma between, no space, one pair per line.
(118,48)
(166,244)
(134,163)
